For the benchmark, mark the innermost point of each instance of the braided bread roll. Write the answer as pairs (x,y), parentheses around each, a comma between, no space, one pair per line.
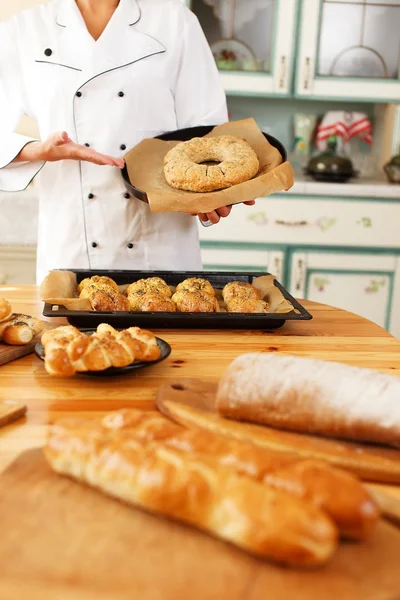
(68,351)
(338,493)
(266,522)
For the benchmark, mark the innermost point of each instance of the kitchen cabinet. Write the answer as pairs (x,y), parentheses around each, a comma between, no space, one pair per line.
(365,284)
(253,42)
(17,265)
(349,49)
(239,258)
(339,250)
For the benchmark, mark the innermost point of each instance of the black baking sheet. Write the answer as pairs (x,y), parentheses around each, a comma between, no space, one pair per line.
(156,320)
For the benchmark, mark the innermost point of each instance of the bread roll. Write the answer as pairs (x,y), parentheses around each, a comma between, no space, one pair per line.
(196,284)
(20,329)
(99,281)
(5,310)
(151,284)
(196,302)
(18,334)
(312,396)
(154,302)
(239,289)
(266,522)
(247,305)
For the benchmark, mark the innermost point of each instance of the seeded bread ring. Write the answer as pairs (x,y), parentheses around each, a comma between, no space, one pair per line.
(183,168)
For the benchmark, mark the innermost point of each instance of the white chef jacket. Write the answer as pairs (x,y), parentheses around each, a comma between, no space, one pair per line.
(151,71)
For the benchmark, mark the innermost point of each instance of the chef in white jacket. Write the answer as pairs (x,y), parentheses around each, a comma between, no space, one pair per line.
(99,76)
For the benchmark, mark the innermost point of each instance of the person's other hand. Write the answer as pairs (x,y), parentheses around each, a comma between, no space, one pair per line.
(215,215)
(59,146)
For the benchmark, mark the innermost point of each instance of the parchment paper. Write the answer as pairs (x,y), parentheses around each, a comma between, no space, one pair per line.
(60,287)
(145,164)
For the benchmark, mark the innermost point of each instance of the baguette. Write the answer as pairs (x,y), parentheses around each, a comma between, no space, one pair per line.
(265,522)
(340,494)
(312,396)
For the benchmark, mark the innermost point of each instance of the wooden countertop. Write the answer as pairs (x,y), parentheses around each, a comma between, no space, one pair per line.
(333,335)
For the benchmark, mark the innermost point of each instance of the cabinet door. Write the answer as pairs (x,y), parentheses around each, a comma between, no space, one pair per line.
(225,258)
(363,284)
(17,265)
(349,49)
(252,42)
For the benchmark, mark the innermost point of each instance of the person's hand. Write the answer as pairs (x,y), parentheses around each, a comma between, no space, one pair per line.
(215,215)
(59,146)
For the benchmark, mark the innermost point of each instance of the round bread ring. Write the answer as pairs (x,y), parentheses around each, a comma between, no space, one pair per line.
(237,163)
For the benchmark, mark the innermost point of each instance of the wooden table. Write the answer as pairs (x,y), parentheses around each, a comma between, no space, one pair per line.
(333,335)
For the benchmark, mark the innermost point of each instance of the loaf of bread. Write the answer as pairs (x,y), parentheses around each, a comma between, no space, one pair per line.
(341,495)
(68,351)
(195,490)
(312,396)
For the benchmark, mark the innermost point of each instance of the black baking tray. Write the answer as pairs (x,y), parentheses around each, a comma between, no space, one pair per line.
(184,135)
(157,320)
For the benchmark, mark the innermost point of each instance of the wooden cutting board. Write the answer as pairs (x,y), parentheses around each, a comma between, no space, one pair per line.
(60,539)
(10,411)
(191,402)
(9,353)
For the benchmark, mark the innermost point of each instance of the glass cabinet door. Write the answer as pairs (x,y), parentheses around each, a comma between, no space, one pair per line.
(252,42)
(350,49)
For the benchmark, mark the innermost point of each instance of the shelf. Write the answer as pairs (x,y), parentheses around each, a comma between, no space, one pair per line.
(356,188)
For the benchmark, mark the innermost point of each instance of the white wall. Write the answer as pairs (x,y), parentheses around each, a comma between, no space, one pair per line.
(27,125)
(7,9)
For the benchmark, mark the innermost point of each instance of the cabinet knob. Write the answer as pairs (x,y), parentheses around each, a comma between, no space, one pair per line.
(282,73)
(291,223)
(299,276)
(307,73)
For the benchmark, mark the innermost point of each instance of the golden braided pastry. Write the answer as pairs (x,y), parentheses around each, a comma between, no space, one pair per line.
(69,351)
(340,494)
(183,168)
(17,329)
(193,489)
